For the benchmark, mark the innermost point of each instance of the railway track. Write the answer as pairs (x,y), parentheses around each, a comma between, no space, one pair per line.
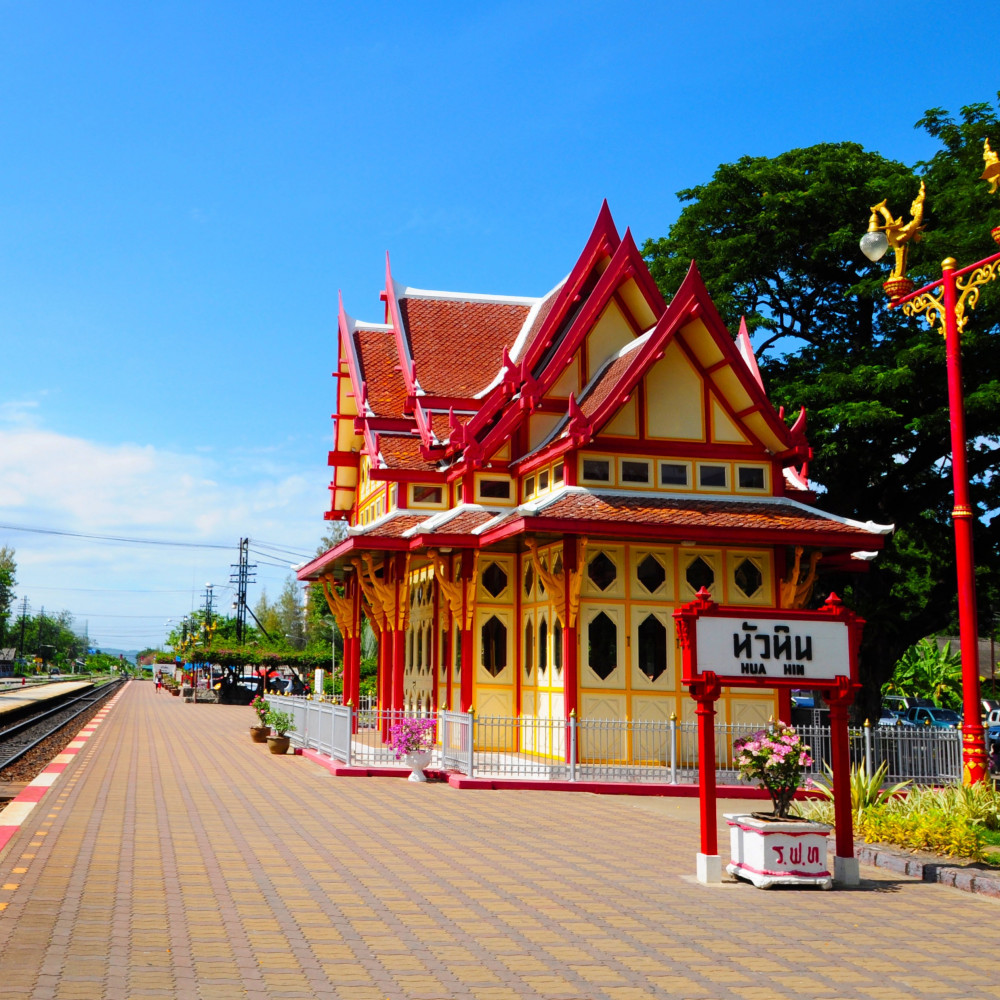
(19,738)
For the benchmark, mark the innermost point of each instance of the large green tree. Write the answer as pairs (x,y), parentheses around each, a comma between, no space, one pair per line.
(8,571)
(776,239)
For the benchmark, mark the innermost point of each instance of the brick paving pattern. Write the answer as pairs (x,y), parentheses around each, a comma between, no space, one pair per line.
(175,858)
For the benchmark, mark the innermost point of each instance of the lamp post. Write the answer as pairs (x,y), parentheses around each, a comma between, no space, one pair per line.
(944,302)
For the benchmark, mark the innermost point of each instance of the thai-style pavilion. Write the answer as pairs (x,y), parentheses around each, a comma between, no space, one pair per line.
(532,485)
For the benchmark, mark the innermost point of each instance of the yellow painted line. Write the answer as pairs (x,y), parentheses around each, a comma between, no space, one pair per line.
(11,886)
(18,871)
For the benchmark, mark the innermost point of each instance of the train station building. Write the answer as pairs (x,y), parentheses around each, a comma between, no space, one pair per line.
(532,485)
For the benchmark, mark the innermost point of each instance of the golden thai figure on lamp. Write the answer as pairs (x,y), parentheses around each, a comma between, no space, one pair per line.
(897,234)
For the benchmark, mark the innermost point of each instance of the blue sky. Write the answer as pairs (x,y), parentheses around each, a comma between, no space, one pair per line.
(184,187)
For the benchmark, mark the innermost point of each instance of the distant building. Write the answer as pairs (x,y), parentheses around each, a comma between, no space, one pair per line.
(532,485)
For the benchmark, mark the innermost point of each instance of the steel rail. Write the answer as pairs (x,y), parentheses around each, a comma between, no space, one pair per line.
(91,698)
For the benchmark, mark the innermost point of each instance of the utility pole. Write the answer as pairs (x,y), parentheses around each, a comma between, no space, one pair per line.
(243,574)
(24,618)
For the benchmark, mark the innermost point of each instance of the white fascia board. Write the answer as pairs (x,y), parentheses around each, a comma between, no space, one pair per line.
(406,292)
(522,336)
(442,517)
(378,522)
(864,556)
(869,526)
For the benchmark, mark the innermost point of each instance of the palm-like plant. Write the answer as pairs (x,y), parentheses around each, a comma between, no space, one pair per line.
(926,670)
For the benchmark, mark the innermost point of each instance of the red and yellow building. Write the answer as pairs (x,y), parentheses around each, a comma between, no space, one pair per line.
(532,485)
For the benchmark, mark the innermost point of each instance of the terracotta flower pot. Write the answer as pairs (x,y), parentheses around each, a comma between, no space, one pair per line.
(278,744)
(259,734)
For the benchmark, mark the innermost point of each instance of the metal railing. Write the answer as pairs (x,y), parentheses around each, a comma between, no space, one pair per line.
(603,750)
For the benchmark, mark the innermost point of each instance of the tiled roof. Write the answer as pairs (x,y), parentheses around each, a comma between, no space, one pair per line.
(700,513)
(380,370)
(464,522)
(457,346)
(441,424)
(605,384)
(402,451)
(393,527)
(536,324)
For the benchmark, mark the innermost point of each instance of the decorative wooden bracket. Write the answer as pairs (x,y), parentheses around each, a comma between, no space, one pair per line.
(384,593)
(470,592)
(342,608)
(452,589)
(795,593)
(565,598)
(376,614)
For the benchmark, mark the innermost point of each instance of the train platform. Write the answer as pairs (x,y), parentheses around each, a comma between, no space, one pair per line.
(16,700)
(172,857)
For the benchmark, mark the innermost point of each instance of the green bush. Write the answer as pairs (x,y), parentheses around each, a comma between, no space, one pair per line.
(280,722)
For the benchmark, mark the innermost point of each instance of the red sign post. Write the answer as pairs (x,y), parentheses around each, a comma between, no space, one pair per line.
(746,647)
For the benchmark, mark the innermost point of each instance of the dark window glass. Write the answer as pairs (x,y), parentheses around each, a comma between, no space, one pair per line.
(699,574)
(652,647)
(751,479)
(529,579)
(601,571)
(673,475)
(557,473)
(651,573)
(499,489)
(543,480)
(543,647)
(494,636)
(427,494)
(602,653)
(529,648)
(529,486)
(557,646)
(748,578)
(494,580)
(635,472)
(458,651)
(598,469)
(712,475)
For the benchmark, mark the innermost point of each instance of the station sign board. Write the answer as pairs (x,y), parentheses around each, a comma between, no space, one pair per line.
(795,649)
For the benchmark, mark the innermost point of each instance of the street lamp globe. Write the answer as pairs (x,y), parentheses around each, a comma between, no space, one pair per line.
(874,245)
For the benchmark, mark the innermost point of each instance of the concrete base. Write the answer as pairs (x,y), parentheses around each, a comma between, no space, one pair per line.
(708,868)
(845,871)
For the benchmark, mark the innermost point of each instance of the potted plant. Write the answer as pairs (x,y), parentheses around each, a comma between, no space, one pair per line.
(259,733)
(281,723)
(412,741)
(776,848)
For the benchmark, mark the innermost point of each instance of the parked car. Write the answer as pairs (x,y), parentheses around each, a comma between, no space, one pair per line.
(992,728)
(937,718)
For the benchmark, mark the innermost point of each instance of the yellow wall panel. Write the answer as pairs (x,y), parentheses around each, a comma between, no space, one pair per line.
(637,304)
(625,423)
(674,394)
(569,381)
(701,344)
(731,387)
(609,335)
(540,426)
(723,428)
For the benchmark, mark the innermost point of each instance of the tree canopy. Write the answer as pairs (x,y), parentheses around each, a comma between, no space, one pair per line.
(776,240)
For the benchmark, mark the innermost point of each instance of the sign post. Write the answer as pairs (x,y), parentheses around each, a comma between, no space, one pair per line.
(733,647)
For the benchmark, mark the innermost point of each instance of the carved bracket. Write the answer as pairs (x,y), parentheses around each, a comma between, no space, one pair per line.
(341,607)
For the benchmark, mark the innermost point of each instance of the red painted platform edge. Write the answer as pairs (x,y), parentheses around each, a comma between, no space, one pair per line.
(33,793)
(6,833)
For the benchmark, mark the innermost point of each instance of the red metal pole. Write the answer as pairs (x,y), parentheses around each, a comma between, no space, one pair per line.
(843,814)
(706,693)
(974,768)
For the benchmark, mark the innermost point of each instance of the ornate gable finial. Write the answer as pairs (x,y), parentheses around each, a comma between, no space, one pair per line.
(577,425)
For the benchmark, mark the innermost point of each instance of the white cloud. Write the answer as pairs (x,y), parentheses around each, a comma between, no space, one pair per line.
(55,481)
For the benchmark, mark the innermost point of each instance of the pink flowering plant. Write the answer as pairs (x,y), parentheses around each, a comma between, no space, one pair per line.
(411,736)
(776,757)
(261,707)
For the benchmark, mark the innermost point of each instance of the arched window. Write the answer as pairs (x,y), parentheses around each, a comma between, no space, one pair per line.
(528,653)
(494,642)
(543,647)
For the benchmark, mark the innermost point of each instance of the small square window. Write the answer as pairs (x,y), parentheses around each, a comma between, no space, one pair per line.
(597,470)
(557,473)
(751,478)
(426,494)
(543,480)
(635,472)
(529,486)
(498,489)
(713,476)
(673,474)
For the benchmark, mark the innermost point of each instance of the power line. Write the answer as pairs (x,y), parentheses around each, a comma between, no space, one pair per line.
(113,538)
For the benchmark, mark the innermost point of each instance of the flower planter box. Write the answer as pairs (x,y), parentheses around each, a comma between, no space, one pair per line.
(778,852)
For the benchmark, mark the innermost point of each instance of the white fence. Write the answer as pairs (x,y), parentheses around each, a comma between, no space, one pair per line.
(602,750)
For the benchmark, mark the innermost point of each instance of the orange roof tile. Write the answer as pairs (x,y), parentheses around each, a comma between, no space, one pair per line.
(394,527)
(402,451)
(457,346)
(379,359)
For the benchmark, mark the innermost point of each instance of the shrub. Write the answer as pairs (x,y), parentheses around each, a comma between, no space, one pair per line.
(280,722)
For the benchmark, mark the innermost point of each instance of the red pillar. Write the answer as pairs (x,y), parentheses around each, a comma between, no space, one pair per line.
(571,667)
(467,618)
(974,768)
(385,645)
(845,866)
(706,692)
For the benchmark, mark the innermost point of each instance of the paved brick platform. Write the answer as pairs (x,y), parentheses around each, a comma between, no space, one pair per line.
(175,858)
